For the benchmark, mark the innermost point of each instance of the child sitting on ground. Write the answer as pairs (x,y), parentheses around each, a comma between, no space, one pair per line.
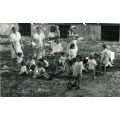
(23,69)
(40,71)
(72,52)
(92,64)
(31,64)
(62,61)
(44,62)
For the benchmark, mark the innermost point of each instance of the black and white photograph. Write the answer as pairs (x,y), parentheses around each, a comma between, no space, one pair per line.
(60,59)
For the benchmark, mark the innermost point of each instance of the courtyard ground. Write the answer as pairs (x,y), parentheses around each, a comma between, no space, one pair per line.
(12,84)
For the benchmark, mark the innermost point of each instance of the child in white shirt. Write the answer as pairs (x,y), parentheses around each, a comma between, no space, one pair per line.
(62,59)
(106,56)
(92,64)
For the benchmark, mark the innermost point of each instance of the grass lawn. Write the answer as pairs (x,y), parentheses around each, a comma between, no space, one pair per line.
(108,85)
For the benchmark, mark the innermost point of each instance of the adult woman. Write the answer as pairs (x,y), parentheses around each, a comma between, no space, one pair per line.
(54,36)
(16,44)
(38,39)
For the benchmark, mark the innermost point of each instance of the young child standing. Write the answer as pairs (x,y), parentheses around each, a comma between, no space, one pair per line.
(19,60)
(92,64)
(77,71)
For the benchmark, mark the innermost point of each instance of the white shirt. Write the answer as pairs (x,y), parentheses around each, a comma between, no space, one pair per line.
(77,68)
(23,69)
(19,59)
(75,42)
(92,63)
(62,59)
(15,39)
(106,54)
(72,53)
(39,39)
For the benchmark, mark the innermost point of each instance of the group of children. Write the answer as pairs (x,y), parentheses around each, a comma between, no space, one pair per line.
(68,63)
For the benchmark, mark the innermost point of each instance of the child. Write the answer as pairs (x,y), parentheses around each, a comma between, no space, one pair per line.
(23,69)
(44,62)
(105,57)
(19,59)
(69,68)
(62,59)
(53,67)
(31,64)
(72,52)
(40,71)
(92,64)
(97,58)
(77,70)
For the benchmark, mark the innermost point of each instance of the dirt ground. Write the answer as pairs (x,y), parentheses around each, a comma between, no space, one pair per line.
(12,84)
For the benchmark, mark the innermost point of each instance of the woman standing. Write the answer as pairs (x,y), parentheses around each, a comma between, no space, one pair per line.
(39,40)
(54,36)
(16,45)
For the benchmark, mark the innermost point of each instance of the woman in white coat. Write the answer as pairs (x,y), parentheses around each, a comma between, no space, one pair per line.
(16,44)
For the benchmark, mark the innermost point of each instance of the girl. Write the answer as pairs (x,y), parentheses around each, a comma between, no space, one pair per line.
(62,59)
(92,64)
(105,56)
(72,52)
(16,45)
(54,39)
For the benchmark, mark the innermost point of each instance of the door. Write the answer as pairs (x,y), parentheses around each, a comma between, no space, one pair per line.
(64,30)
(110,32)
(25,29)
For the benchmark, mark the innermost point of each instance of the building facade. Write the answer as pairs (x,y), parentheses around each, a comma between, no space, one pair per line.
(107,32)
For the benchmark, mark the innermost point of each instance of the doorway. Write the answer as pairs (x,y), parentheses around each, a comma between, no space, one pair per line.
(64,30)
(110,32)
(25,29)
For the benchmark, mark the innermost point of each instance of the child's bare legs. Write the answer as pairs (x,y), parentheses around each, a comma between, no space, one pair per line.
(77,82)
(109,63)
(94,73)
